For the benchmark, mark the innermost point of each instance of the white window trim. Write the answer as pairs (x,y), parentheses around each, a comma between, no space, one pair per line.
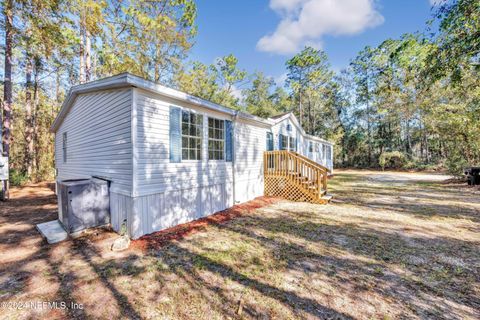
(201,135)
(214,139)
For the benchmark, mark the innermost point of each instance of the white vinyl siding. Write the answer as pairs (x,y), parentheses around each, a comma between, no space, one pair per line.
(249,142)
(171,193)
(155,172)
(97,133)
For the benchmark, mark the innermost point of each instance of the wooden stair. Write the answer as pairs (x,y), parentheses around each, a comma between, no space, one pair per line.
(292,176)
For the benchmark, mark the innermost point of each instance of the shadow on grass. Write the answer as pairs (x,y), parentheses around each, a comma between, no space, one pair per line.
(184,263)
(104,270)
(418,202)
(446,278)
(427,288)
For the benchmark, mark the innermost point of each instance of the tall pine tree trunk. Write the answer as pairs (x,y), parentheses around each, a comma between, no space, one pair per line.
(314,120)
(7,87)
(28,165)
(156,69)
(409,136)
(88,59)
(300,109)
(36,105)
(57,95)
(310,116)
(369,124)
(426,142)
(82,47)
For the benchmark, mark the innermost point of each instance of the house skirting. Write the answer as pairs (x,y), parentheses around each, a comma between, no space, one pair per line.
(154,212)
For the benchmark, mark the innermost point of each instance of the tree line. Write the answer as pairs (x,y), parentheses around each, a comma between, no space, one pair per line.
(411,102)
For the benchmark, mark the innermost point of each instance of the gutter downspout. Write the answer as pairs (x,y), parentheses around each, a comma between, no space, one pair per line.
(234,146)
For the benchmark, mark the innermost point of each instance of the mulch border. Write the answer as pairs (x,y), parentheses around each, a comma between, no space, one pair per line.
(161,238)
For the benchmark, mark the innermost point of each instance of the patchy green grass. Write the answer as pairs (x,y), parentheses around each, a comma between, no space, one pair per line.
(391,245)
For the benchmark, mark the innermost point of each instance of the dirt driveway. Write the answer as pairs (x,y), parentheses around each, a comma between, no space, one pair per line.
(391,245)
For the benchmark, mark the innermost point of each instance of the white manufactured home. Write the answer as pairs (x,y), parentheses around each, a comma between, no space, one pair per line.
(171,157)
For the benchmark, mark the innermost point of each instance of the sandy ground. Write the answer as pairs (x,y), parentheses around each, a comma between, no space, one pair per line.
(390,245)
(404,177)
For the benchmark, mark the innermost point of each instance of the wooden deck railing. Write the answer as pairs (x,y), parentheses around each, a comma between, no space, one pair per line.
(300,178)
(312,162)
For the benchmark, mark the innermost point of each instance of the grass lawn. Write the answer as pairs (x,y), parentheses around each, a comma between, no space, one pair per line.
(391,245)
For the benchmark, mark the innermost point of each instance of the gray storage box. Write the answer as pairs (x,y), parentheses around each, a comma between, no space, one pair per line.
(83,204)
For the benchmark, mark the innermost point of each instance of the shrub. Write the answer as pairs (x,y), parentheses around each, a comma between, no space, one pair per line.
(18,178)
(455,164)
(393,159)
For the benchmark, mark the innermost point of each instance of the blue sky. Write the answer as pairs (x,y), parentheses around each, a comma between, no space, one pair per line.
(263,34)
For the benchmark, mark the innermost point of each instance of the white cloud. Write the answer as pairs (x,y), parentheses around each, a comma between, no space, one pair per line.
(307,21)
(236,92)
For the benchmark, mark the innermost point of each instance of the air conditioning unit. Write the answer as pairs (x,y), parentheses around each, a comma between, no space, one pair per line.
(83,204)
(3,168)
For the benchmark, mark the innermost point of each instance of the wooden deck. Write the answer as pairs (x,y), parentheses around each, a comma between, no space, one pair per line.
(294,177)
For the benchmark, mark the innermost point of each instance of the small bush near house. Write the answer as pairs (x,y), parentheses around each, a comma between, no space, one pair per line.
(393,160)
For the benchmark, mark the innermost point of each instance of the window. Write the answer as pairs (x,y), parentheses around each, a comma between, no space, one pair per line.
(293,144)
(191,136)
(310,146)
(317,149)
(324,151)
(269,141)
(289,127)
(64,147)
(216,139)
(329,152)
(283,142)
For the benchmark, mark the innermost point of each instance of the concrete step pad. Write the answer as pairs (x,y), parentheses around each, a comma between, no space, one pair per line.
(327,197)
(53,231)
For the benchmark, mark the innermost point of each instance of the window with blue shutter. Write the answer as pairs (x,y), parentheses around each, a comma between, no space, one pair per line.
(175,135)
(269,141)
(289,127)
(228,141)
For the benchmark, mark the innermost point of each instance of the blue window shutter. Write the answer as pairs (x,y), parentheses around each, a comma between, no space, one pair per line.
(228,141)
(175,135)
(280,138)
